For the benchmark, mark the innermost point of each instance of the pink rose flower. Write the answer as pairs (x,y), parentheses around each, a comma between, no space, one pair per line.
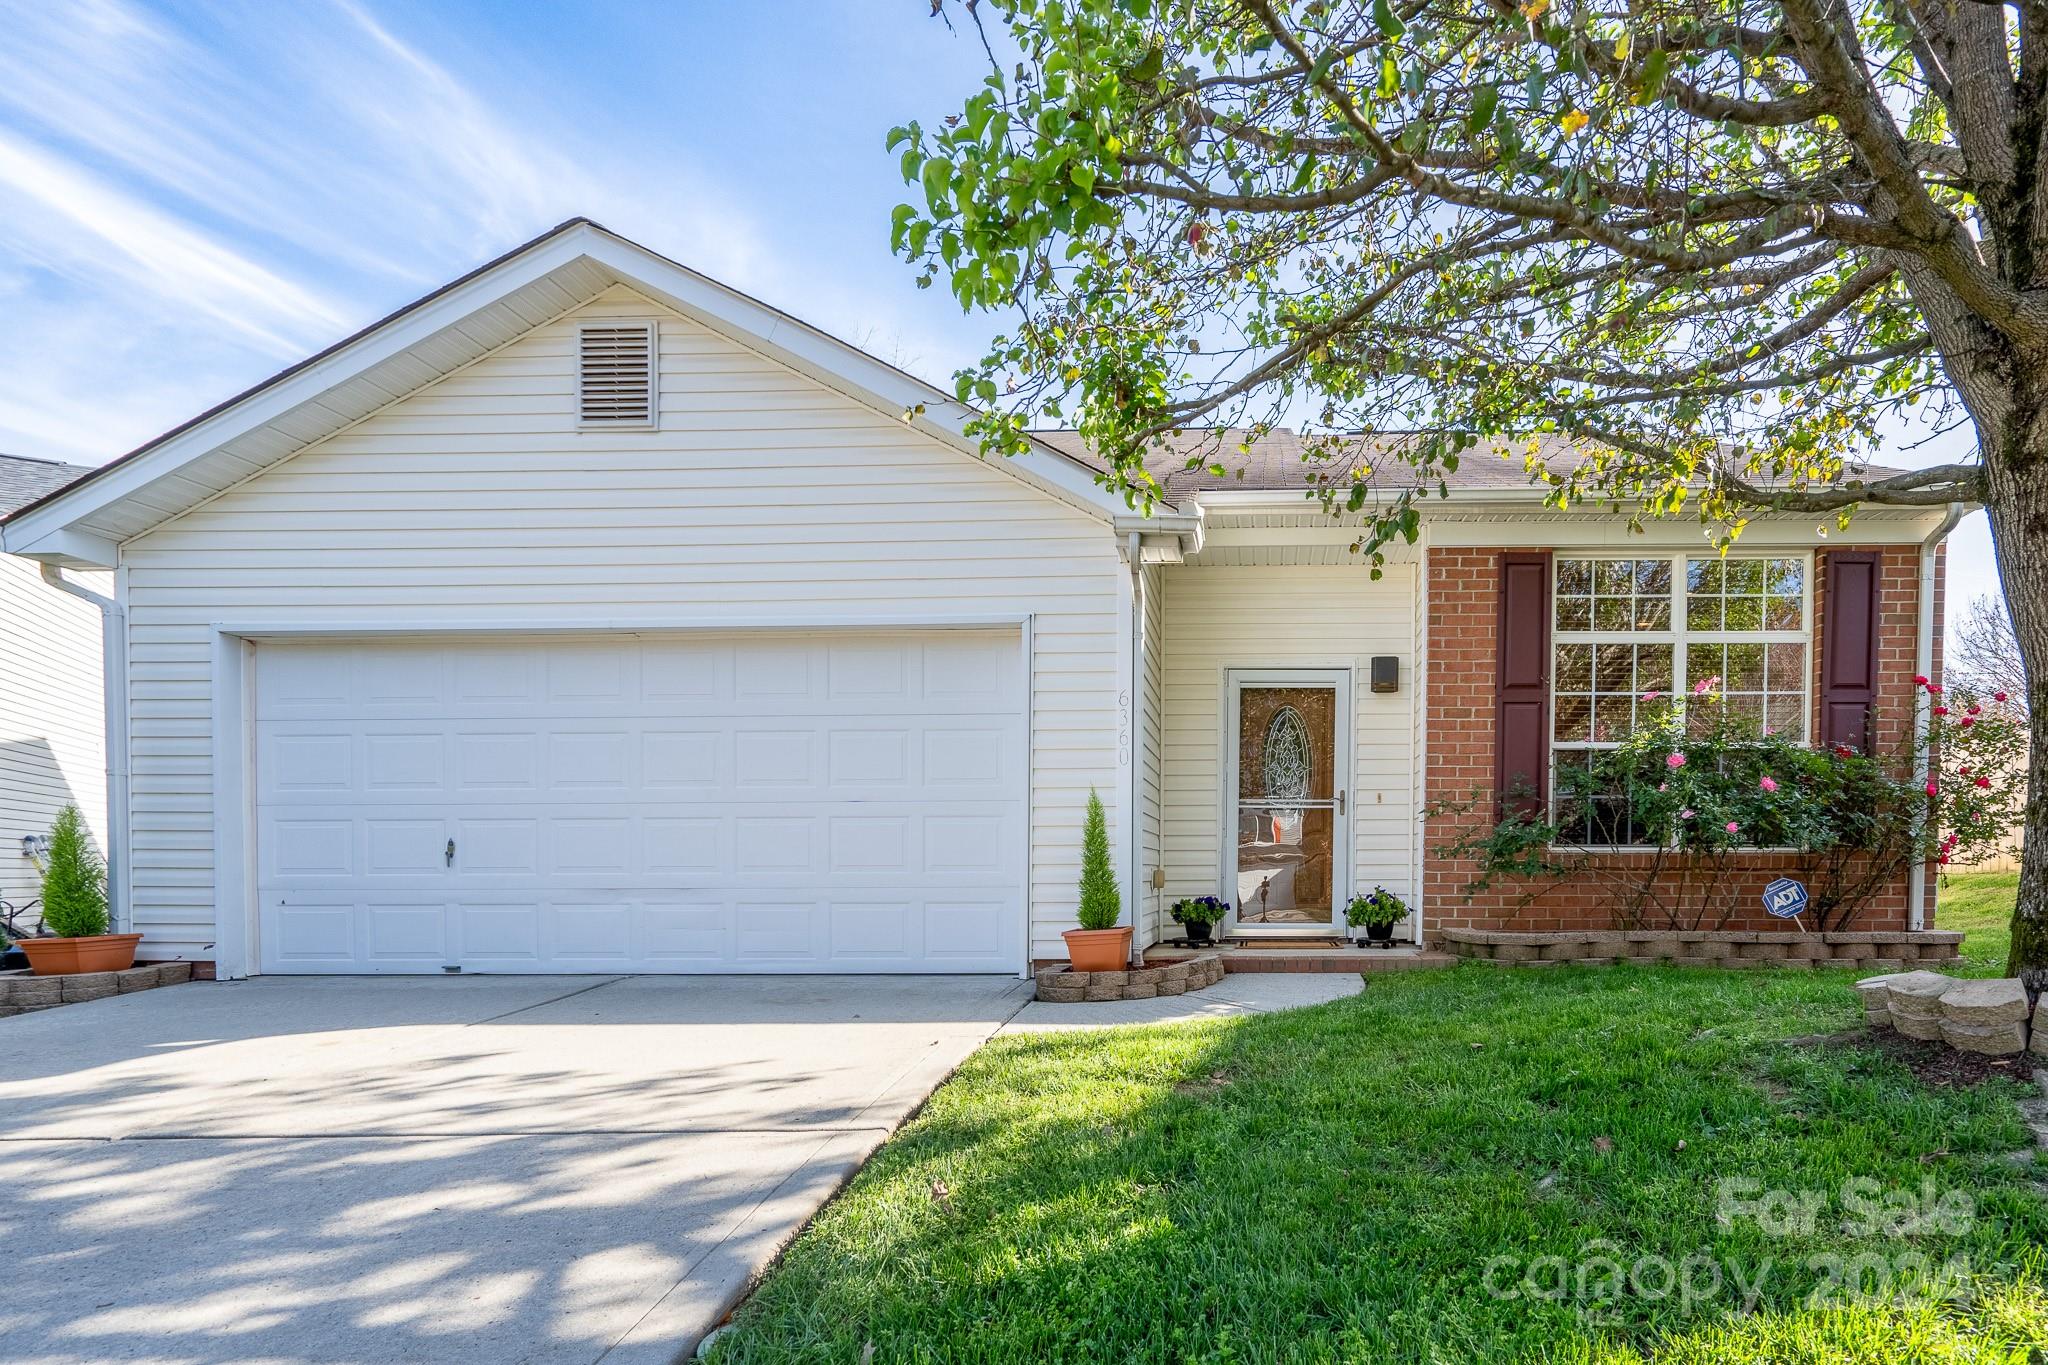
(1705,685)
(1920,680)
(1984,782)
(1652,695)
(1935,688)
(1686,814)
(1767,784)
(1933,790)
(1968,721)
(1998,696)
(1733,827)
(1674,761)
(1941,710)
(1976,708)
(1661,786)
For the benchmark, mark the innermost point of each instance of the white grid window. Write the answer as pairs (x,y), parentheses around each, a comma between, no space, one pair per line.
(1624,628)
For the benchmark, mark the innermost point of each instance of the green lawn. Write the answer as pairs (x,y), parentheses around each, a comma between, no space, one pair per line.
(1355,1182)
(1980,904)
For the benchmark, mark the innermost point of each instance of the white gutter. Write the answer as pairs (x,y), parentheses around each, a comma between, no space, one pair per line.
(1923,702)
(114,690)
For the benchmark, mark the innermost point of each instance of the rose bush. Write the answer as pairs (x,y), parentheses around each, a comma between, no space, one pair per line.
(1698,785)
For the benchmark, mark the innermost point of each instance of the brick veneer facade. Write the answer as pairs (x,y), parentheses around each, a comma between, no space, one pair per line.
(1463,605)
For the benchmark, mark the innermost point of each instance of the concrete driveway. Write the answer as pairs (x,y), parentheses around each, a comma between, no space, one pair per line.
(491,1169)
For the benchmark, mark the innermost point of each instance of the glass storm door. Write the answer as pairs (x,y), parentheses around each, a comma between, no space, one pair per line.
(1287,807)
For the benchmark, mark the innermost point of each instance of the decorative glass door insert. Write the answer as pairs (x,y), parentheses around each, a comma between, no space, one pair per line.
(1288,806)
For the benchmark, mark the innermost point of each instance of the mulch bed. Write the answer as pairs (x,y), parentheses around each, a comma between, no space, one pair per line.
(1935,1064)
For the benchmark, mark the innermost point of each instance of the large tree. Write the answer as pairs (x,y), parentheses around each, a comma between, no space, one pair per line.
(1723,245)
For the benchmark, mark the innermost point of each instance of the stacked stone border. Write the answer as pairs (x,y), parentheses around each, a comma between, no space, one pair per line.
(1057,985)
(1875,950)
(21,993)
(1987,1015)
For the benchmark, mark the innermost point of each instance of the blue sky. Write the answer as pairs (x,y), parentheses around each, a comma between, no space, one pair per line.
(193,196)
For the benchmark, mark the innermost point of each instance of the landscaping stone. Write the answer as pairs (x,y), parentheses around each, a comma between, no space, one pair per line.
(32,990)
(1992,1040)
(89,986)
(2039,1046)
(1987,1003)
(1914,1000)
(1875,992)
(1058,984)
(142,978)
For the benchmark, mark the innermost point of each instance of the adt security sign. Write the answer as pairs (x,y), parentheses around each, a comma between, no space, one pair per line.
(1785,898)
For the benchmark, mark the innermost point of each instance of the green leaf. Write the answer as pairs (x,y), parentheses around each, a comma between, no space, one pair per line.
(1383,15)
(1150,65)
(1390,77)
(1485,100)
(1655,67)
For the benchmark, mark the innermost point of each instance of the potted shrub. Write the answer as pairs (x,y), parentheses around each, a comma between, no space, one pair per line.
(1377,914)
(1198,915)
(1100,944)
(75,908)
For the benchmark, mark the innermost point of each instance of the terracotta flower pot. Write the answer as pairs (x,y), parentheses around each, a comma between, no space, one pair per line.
(70,956)
(1099,950)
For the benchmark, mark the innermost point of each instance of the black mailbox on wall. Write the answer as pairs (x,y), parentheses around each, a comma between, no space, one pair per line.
(1386,673)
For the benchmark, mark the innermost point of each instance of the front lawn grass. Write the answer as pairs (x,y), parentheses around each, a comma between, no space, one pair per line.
(1980,904)
(1412,1175)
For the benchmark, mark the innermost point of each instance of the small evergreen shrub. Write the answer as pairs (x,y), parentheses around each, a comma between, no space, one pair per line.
(74,880)
(1101,906)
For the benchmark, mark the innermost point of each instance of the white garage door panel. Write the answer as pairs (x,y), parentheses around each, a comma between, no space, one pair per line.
(730,803)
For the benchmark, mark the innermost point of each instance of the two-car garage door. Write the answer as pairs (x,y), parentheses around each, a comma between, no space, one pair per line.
(849,801)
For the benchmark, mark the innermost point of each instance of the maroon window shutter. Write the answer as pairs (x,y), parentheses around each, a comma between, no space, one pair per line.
(1848,652)
(1522,681)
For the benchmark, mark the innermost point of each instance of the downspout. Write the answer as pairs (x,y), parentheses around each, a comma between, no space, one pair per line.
(1137,779)
(1923,701)
(114,691)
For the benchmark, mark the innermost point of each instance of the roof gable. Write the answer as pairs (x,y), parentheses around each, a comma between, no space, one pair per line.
(84,522)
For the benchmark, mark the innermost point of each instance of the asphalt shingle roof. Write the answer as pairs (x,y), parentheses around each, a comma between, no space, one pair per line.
(1275,461)
(23,480)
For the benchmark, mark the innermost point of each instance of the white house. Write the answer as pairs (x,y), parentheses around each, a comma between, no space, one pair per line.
(587,615)
(51,721)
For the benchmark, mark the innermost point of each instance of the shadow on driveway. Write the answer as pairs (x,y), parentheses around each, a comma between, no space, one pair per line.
(484,1169)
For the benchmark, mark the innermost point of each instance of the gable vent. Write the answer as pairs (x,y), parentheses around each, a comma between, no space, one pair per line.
(615,374)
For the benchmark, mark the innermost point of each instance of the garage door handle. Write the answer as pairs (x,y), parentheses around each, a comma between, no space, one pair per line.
(449,853)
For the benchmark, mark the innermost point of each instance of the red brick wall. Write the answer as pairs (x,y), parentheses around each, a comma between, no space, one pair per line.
(1463,606)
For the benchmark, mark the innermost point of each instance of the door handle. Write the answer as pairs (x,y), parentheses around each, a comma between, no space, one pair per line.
(448,854)
(1340,801)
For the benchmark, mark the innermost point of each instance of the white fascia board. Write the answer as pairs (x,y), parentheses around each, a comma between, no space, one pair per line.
(267,404)
(839,366)
(64,548)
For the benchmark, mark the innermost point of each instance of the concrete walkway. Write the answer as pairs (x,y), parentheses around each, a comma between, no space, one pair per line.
(487,1169)
(1237,993)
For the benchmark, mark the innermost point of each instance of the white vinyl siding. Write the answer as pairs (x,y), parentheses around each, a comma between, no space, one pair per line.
(762,494)
(1249,616)
(51,716)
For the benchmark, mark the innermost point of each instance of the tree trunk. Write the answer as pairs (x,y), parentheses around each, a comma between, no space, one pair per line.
(2016,497)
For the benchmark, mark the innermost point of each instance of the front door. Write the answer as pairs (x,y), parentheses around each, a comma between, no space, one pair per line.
(1287,840)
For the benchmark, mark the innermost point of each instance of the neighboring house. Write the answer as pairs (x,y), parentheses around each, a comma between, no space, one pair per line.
(590,616)
(51,718)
